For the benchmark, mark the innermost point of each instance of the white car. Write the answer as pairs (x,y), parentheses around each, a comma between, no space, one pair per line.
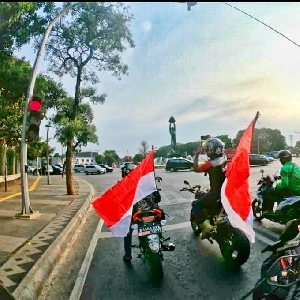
(94,169)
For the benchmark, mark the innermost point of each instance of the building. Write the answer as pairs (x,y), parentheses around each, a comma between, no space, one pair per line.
(86,157)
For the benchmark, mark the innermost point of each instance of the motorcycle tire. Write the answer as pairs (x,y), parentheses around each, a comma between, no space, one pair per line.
(156,268)
(239,242)
(255,204)
(195,227)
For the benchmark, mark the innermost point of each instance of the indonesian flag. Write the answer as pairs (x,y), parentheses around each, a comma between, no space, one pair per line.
(114,207)
(235,193)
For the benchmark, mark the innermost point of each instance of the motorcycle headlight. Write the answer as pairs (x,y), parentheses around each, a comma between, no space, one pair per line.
(153,241)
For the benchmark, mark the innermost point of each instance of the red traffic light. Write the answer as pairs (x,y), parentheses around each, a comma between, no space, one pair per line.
(35,104)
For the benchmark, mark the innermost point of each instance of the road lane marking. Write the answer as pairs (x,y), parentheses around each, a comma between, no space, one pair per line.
(79,283)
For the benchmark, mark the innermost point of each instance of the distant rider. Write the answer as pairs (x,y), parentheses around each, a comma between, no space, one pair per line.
(215,167)
(154,199)
(289,185)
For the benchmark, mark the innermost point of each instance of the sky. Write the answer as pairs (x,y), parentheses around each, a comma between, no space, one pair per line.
(211,68)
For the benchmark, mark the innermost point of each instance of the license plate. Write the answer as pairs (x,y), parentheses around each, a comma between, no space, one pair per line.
(146,230)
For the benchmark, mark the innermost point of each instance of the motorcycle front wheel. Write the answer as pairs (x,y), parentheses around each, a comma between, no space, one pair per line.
(235,248)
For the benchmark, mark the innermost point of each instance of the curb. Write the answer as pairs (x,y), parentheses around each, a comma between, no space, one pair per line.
(31,286)
(32,188)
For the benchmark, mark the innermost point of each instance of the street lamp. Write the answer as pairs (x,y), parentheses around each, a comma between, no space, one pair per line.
(47,153)
(26,208)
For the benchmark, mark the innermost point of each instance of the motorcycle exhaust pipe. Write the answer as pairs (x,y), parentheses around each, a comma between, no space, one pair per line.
(168,247)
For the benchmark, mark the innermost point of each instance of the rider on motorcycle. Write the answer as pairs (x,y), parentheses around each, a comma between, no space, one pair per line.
(289,185)
(154,198)
(214,149)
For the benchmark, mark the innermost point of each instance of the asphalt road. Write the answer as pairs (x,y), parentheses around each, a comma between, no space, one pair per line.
(194,270)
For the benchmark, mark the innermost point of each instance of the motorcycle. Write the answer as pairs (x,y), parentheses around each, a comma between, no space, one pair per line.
(286,210)
(233,243)
(288,245)
(148,221)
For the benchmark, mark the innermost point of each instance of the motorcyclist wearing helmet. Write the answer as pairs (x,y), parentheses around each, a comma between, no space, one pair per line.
(215,168)
(289,185)
(154,198)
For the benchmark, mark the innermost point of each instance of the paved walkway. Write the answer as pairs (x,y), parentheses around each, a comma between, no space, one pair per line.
(24,241)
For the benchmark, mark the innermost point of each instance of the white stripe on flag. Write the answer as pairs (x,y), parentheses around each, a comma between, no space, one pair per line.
(235,220)
(145,187)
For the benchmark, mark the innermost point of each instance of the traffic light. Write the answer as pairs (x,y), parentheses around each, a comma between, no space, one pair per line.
(34,118)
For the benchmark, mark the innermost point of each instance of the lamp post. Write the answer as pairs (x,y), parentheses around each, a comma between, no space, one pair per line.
(26,208)
(47,153)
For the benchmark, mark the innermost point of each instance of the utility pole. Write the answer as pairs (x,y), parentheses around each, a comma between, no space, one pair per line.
(27,211)
(258,150)
(47,153)
(291,139)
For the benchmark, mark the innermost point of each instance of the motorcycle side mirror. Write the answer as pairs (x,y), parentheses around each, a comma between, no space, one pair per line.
(262,171)
(285,271)
(278,171)
(186,182)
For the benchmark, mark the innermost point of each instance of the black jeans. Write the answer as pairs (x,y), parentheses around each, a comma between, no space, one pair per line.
(128,242)
(271,195)
(205,205)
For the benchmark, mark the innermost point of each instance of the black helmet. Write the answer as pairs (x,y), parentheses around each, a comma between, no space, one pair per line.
(127,169)
(213,147)
(284,156)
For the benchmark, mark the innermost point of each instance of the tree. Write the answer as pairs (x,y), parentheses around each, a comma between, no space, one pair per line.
(264,140)
(56,154)
(73,133)
(100,159)
(138,158)
(110,157)
(144,148)
(14,79)
(38,149)
(20,22)
(225,139)
(92,40)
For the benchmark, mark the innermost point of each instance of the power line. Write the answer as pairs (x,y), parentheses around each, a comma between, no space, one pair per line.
(262,23)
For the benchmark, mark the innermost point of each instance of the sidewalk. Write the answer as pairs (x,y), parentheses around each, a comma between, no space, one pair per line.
(29,249)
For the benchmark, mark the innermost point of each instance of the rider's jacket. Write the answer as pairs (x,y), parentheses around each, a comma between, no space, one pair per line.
(290,178)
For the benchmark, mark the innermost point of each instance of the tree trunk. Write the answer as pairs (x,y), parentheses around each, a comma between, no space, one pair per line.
(69,169)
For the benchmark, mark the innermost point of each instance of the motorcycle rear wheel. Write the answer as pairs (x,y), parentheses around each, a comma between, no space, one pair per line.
(156,268)
(237,242)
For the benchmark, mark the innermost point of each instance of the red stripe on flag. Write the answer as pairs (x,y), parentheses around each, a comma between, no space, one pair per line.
(115,202)
(237,173)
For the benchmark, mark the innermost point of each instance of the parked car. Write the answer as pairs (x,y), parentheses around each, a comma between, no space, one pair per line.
(45,171)
(258,160)
(57,170)
(79,168)
(108,168)
(94,169)
(175,164)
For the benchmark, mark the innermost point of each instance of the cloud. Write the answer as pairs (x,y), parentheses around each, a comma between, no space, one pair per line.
(147,26)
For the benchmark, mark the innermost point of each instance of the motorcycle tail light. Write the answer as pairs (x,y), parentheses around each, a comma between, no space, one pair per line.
(148,219)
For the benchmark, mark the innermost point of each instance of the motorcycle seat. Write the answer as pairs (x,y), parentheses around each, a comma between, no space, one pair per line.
(290,244)
(272,246)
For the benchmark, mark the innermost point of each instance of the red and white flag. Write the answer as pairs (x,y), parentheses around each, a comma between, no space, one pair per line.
(114,207)
(235,193)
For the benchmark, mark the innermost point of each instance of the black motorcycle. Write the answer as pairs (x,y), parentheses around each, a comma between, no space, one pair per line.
(148,221)
(287,245)
(281,280)
(287,209)
(233,243)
